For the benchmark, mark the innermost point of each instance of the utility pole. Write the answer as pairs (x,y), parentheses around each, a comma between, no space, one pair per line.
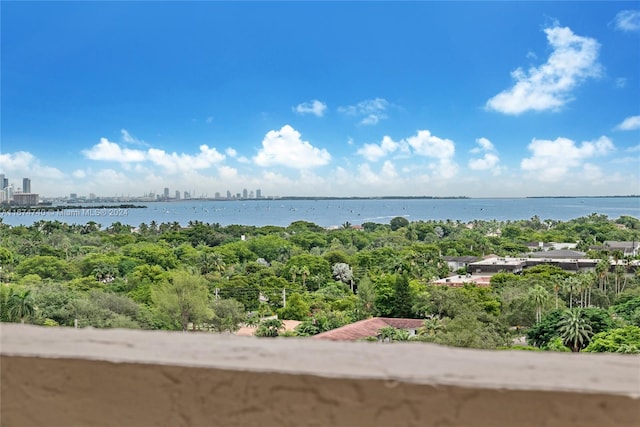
(284,297)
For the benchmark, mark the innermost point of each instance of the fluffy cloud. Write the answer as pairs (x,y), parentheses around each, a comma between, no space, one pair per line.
(374,152)
(630,123)
(548,87)
(285,147)
(489,161)
(422,144)
(371,111)
(174,162)
(552,160)
(429,145)
(24,164)
(106,150)
(627,20)
(314,107)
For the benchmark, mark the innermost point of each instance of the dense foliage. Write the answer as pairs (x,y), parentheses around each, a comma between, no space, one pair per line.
(210,277)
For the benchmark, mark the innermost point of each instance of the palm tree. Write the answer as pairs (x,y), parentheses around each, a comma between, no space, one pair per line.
(388,332)
(270,328)
(574,329)
(432,325)
(401,335)
(539,296)
(294,271)
(556,288)
(570,285)
(602,270)
(20,306)
(304,273)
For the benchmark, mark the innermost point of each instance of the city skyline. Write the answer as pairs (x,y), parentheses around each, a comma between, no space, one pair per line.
(478,99)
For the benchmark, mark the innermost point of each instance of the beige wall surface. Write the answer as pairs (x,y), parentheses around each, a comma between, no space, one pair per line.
(67,377)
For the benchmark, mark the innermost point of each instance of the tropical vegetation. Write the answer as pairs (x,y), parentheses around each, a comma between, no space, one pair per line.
(214,278)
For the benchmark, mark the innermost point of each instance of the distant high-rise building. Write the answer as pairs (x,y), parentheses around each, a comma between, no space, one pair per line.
(187,195)
(92,196)
(26,185)
(245,193)
(166,192)
(177,194)
(228,194)
(217,195)
(73,195)
(258,194)
(4,182)
(25,199)
(251,195)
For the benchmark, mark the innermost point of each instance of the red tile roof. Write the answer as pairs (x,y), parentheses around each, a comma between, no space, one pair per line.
(368,328)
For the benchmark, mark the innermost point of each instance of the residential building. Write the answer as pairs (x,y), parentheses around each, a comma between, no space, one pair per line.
(26,185)
(25,199)
(370,328)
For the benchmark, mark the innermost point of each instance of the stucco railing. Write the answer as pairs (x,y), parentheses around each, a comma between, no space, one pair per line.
(85,377)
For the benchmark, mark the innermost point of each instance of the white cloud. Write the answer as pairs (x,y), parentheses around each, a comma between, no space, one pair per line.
(490,159)
(422,144)
(227,172)
(548,87)
(484,145)
(130,139)
(371,110)
(374,152)
(25,164)
(284,147)
(79,174)
(106,150)
(209,119)
(429,145)
(388,170)
(174,162)
(552,160)
(231,152)
(627,20)
(630,123)
(315,107)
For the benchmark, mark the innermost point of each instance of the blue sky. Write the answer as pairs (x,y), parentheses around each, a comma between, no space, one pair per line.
(483,99)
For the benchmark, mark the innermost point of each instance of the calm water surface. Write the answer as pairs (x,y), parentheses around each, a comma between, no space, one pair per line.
(336,212)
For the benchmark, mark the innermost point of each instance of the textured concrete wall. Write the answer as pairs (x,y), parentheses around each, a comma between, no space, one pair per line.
(67,377)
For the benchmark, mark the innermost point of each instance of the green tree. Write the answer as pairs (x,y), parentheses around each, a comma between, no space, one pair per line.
(398,222)
(432,325)
(619,340)
(296,308)
(270,328)
(20,305)
(227,316)
(402,298)
(539,296)
(182,300)
(574,329)
(388,333)
(47,267)
(365,305)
